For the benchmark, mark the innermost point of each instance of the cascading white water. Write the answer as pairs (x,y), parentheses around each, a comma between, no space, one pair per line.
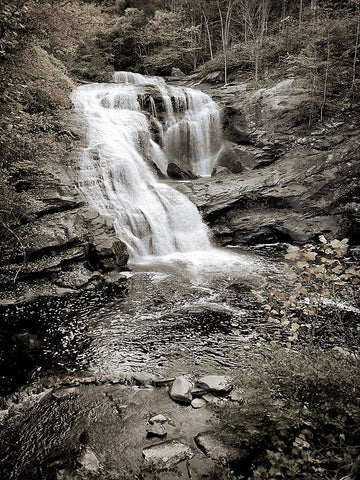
(190,133)
(149,216)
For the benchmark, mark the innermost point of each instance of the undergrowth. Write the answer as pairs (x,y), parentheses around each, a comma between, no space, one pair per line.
(300,417)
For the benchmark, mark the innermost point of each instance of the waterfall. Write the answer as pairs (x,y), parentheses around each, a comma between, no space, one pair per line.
(150,217)
(190,134)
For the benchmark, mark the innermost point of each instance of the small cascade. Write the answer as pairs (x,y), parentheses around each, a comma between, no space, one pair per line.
(190,132)
(150,217)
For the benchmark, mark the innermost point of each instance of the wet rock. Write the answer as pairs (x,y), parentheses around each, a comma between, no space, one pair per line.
(181,390)
(156,430)
(88,460)
(218,451)
(214,383)
(158,419)
(177,173)
(62,393)
(198,403)
(221,172)
(168,454)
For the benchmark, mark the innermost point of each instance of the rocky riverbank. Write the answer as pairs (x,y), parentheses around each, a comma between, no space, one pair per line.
(150,420)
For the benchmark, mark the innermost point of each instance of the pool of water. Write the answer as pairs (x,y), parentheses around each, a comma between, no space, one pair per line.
(172,315)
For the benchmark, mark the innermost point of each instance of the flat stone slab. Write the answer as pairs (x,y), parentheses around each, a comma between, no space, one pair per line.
(181,390)
(215,384)
(218,451)
(168,454)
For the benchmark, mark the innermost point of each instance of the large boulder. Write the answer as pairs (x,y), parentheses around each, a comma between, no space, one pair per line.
(181,390)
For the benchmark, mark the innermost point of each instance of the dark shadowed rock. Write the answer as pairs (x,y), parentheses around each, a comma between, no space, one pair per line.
(177,173)
(229,158)
(219,452)
(156,430)
(220,172)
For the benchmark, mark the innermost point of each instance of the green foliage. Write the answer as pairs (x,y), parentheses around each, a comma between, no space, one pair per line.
(300,418)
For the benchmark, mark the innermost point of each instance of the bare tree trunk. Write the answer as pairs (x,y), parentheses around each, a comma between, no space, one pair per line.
(301,4)
(208,34)
(225,33)
(325,79)
(314,6)
(353,82)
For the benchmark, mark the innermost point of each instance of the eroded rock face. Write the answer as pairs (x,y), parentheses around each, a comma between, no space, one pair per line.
(63,242)
(295,183)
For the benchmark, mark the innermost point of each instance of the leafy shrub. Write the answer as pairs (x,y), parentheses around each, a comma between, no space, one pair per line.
(319,290)
(300,418)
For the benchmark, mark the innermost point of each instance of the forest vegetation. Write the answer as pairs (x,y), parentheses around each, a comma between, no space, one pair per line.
(47,46)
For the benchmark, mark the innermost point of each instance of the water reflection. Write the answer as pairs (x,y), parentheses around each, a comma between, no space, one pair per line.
(168,320)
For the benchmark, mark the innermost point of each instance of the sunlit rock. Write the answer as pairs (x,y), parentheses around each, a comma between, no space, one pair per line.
(181,390)
(168,454)
(215,383)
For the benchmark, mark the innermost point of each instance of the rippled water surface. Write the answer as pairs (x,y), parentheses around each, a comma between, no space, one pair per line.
(174,314)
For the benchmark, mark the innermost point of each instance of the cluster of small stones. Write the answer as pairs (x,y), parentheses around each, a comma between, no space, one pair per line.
(195,393)
(199,393)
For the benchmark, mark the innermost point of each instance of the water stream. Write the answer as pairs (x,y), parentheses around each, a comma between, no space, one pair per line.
(186,307)
(150,217)
(179,296)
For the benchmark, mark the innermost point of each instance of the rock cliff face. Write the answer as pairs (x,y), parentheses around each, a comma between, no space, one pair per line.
(63,245)
(280,181)
(290,183)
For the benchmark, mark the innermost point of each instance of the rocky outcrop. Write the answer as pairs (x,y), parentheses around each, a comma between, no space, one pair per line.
(62,244)
(294,183)
(178,173)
